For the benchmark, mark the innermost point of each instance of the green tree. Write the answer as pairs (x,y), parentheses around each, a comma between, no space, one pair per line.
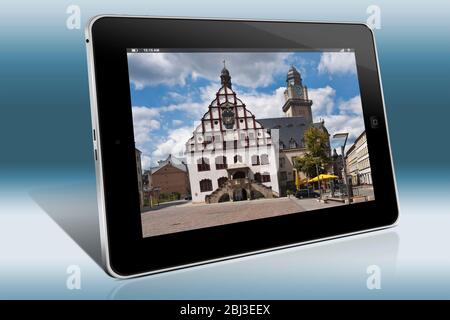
(317,153)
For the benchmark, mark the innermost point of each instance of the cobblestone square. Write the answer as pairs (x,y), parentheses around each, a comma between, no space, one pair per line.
(190,216)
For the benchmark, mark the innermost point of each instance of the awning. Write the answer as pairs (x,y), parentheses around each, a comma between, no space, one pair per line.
(323,177)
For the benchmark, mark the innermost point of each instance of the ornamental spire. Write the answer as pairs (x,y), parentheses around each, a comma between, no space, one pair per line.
(225,78)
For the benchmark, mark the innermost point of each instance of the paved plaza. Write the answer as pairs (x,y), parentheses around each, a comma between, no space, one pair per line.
(188,216)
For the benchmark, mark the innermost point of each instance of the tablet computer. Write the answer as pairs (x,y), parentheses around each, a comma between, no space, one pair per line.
(215,139)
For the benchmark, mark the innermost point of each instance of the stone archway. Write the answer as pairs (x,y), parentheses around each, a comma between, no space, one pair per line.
(255,194)
(224,198)
(240,194)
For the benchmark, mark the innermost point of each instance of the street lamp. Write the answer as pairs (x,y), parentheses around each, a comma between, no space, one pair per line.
(344,135)
(317,161)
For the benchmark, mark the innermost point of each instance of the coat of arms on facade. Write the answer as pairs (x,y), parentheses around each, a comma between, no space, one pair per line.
(228,116)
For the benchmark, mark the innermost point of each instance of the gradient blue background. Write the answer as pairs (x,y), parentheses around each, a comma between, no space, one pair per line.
(45,139)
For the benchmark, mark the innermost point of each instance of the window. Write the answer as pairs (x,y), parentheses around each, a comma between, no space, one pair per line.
(237,158)
(292,144)
(255,160)
(282,146)
(205,185)
(221,162)
(221,181)
(258,177)
(203,164)
(264,159)
(282,162)
(283,176)
(265,177)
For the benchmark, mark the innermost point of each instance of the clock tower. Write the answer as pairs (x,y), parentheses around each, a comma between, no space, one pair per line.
(296,95)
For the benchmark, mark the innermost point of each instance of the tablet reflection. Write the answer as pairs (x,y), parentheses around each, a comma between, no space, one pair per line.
(323,270)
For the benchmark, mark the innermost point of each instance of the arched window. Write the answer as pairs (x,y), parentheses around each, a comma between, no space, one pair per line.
(255,160)
(221,162)
(264,159)
(265,177)
(221,181)
(203,164)
(237,158)
(258,177)
(205,185)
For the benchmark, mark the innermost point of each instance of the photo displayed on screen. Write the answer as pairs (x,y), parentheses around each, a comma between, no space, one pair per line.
(224,137)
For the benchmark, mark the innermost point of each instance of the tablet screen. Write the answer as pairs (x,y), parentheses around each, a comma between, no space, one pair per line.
(224,137)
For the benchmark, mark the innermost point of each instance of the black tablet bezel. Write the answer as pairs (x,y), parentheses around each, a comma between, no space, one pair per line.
(128,252)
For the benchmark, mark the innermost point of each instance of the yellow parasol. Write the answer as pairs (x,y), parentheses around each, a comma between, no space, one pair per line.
(323,177)
(299,181)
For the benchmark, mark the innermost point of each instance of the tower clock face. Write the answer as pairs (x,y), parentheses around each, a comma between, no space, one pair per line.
(298,91)
(228,116)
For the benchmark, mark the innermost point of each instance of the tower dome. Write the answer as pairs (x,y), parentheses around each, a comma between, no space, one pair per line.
(293,77)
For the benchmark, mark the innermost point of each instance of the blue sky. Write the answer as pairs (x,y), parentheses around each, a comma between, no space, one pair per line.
(171,91)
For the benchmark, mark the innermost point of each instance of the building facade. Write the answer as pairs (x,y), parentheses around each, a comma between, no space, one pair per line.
(358,162)
(170,177)
(138,154)
(230,155)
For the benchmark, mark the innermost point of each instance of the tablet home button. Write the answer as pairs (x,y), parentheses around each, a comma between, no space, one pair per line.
(374,122)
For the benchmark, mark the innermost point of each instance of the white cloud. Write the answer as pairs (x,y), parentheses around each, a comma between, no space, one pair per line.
(264,105)
(173,144)
(337,63)
(351,106)
(248,69)
(323,100)
(144,121)
(177,122)
(354,125)
(146,162)
(342,116)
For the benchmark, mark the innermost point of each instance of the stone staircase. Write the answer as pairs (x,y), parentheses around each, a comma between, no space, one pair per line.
(249,185)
